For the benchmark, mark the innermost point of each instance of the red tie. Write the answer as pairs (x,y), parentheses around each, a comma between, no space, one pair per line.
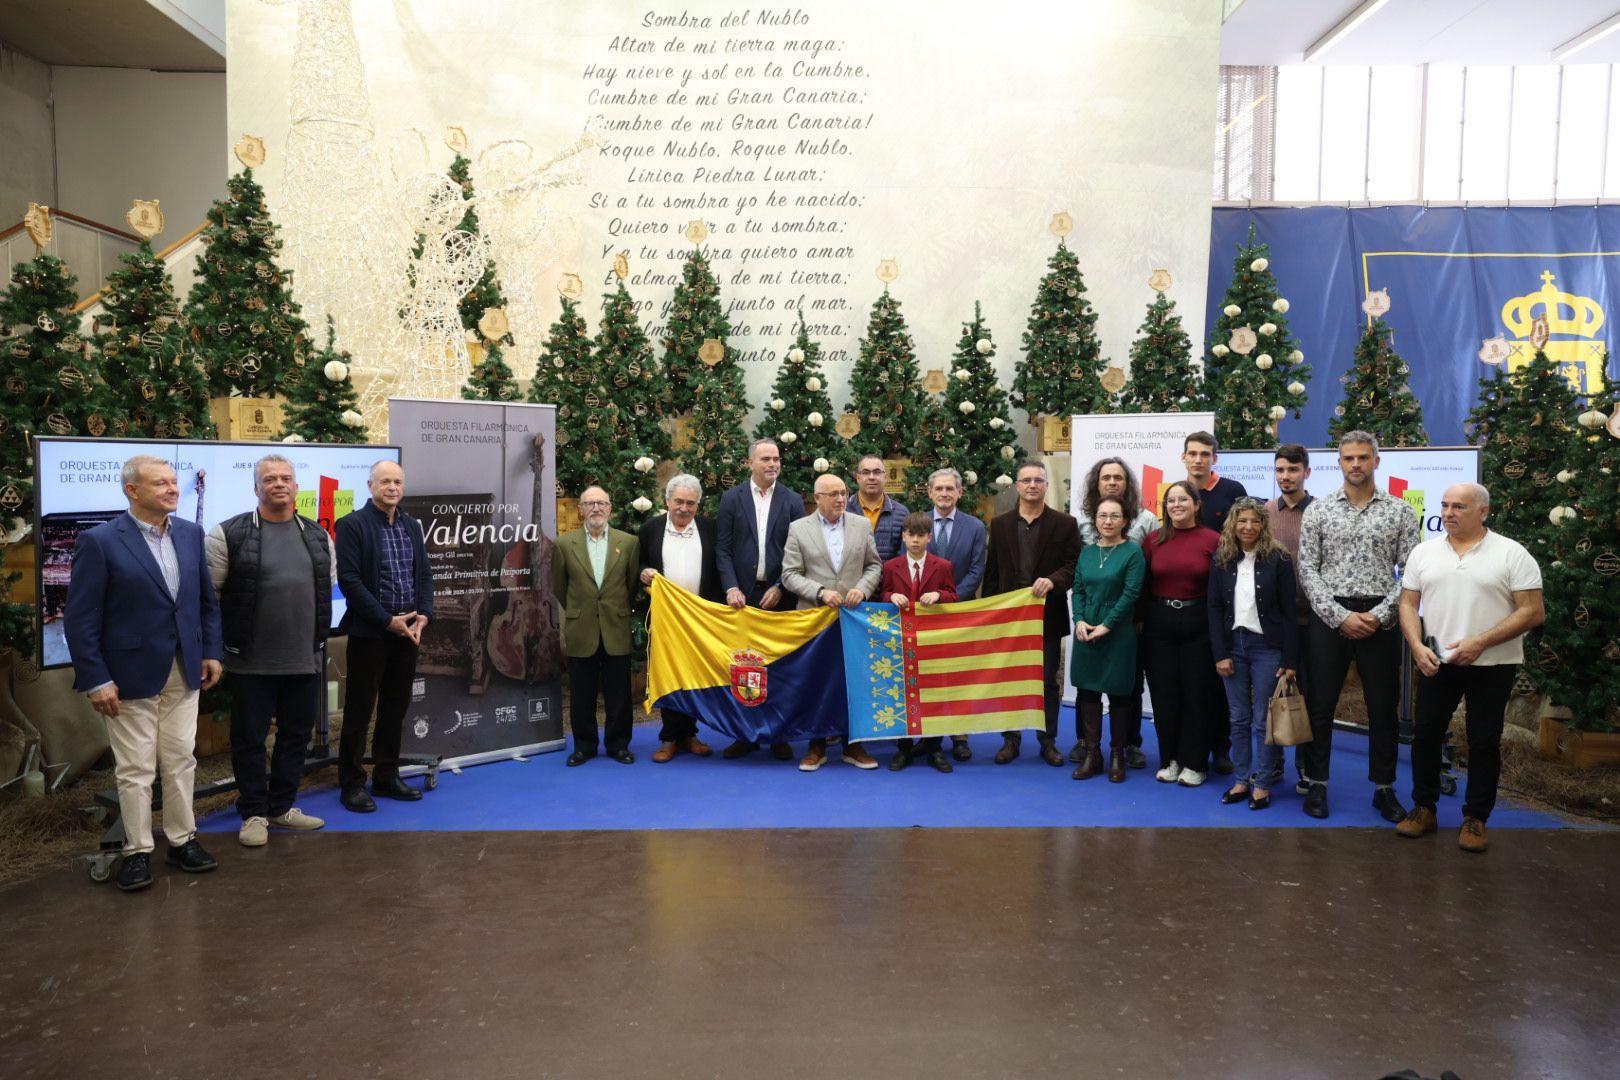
(916,580)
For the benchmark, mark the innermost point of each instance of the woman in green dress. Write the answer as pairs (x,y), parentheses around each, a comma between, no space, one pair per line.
(1107,581)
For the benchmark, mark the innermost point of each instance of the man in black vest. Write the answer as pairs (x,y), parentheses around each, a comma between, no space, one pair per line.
(274,572)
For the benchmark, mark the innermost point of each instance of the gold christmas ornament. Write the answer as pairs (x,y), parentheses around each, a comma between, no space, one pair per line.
(1159,280)
(40,226)
(571,286)
(10,497)
(95,424)
(1061,224)
(712,351)
(1113,380)
(1607,564)
(697,231)
(934,382)
(849,425)
(1539,333)
(887,270)
(145,218)
(249,150)
(493,324)
(59,424)
(621,264)
(455,137)
(1243,341)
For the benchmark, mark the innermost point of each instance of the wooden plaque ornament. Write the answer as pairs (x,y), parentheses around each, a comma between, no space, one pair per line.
(1159,280)
(621,264)
(1494,351)
(249,150)
(494,325)
(1061,224)
(145,218)
(712,351)
(455,137)
(1243,341)
(697,231)
(571,286)
(1377,303)
(887,270)
(39,225)
(934,382)
(1539,333)
(848,426)
(1113,380)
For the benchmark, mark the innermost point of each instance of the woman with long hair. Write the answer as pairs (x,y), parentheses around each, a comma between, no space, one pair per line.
(1254,635)
(1107,580)
(1175,637)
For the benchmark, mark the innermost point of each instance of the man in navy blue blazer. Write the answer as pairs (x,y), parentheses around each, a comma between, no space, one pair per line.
(751,530)
(143,628)
(960,538)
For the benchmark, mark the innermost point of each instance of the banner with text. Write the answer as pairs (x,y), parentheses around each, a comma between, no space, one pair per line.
(481,477)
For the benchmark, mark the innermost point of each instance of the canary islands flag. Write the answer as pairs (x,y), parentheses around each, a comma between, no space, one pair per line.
(765,676)
(950,669)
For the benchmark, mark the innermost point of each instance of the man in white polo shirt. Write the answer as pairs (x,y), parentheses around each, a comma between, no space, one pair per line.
(1479,594)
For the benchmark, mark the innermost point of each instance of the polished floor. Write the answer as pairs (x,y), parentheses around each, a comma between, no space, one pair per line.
(931,953)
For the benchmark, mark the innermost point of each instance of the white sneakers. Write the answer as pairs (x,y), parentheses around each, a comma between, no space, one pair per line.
(297,819)
(1190,778)
(255,831)
(1169,774)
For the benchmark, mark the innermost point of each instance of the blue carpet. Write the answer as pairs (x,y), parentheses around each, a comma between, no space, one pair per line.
(759,792)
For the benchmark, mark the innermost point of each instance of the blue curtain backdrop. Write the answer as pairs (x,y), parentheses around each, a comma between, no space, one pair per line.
(1455,276)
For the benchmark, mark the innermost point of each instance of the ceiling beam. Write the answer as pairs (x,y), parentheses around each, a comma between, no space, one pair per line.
(1590,36)
(1345,27)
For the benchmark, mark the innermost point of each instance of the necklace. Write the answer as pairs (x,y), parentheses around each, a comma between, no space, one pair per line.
(1108,552)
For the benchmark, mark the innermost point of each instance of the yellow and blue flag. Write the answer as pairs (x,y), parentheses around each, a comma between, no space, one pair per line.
(765,676)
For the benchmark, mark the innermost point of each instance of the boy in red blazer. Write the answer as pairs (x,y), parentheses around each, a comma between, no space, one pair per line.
(918,577)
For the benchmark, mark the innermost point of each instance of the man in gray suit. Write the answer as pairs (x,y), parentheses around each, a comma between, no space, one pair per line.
(831,558)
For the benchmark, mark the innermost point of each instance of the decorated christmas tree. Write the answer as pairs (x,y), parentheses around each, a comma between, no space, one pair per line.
(695,316)
(1522,424)
(1376,395)
(637,400)
(885,390)
(930,450)
(243,321)
(1061,370)
(1252,332)
(16,620)
(147,357)
(799,416)
(490,378)
(567,349)
(980,442)
(1162,379)
(717,448)
(1575,656)
(322,405)
(52,384)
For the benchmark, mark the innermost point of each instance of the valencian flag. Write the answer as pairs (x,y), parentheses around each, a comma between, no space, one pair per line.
(950,669)
(765,676)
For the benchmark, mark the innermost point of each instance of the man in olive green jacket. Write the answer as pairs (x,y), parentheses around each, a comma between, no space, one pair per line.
(595,571)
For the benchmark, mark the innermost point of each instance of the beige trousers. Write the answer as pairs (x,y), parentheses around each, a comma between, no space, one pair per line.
(146,735)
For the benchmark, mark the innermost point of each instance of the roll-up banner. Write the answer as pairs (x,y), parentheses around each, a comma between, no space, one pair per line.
(481,477)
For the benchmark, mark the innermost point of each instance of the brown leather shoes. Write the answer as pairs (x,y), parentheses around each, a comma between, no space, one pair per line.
(813,759)
(665,752)
(1419,821)
(1009,750)
(694,746)
(1471,837)
(857,756)
(1116,767)
(1051,754)
(739,748)
(1090,764)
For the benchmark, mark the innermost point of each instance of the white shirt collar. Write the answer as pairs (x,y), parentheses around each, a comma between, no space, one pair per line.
(670,529)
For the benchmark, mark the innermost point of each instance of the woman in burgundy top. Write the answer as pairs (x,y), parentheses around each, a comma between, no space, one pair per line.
(1186,692)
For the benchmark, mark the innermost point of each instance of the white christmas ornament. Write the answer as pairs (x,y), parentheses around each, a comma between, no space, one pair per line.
(1233,310)
(812,384)
(1296,388)
(1259,265)
(1560,514)
(1591,419)
(796,356)
(790,437)
(821,465)
(1008,452)
(644,464)
(1297,357)
(984,346)
(1565,476)
(350,418)
(1220,350)
(997,422)
(970,478)
(293,438)
(1267,329)
(642,504)
(1280,306)
(966,407)
(1263,361)
(1278,412)
(815,419)
(778,404)
(1003,481)
(336,370)
(961,374)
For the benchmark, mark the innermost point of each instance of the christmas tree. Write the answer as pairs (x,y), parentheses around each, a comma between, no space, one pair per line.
(695,316)
(930,450)
(567,349)
(1376,395)
(1575,656)
(885,391)
(1162,376)
(52,384)
(1521,424)
(1061,371)
(799,416)
(637,399)
(490,378)
(146,354)
(246,328)
(322,405)
(16,620)
(979,443)
(717,451)
(1252,332)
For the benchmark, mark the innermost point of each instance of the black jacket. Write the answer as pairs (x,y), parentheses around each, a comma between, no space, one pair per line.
(239,596)
(1275,598)
(652,554)
(359,555)
(1057,549)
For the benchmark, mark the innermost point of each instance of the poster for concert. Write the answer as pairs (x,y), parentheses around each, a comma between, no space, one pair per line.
(481,478)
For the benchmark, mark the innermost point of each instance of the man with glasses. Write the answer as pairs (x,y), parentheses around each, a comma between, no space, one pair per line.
(885,514)
(1034,546)
(959,537)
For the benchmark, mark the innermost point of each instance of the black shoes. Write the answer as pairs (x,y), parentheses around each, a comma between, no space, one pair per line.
(189,857)
(136,873)
(1077,752)
(938,760)
(1316,801)
(960,750)
(782,751)
(357,800)
(1229,797)
(1223,765)
(1134,758)
(580,757)
(624,757)
(395,788)
(1259,804)
(1388,806)
(900,760)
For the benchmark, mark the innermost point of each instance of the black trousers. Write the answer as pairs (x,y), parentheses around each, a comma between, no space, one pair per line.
(920,746)
(1187,694)
(677,726)
(1051,658)
(381,671)
(293,701)
(1302,677)
(1486,690)
(608,676)
(1378,662)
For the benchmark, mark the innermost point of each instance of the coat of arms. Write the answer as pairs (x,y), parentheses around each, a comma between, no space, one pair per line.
(748,677)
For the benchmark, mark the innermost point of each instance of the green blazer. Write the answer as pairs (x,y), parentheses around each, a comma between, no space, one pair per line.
(593,616)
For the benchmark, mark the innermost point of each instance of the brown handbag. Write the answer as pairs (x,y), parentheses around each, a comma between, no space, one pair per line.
(1287,722)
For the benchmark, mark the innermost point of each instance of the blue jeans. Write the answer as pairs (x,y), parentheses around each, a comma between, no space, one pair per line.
(1248,694)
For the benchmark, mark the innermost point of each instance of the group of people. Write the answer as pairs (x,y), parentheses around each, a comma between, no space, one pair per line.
(1207,602)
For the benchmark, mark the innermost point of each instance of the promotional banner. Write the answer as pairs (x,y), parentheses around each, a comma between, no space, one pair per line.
(1456,277)
(481,477)
(1150,443)
(78,486)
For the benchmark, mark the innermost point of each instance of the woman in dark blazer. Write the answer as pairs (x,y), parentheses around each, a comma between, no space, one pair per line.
(1254,635)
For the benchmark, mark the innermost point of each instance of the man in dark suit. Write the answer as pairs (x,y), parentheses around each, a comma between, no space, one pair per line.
(680,546)
(958,537)
(143,627)
(595,572)
(384,575)
(751,529)
(1035,546)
